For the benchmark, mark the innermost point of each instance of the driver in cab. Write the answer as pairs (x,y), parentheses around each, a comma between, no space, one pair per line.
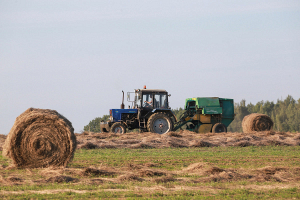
(149,102)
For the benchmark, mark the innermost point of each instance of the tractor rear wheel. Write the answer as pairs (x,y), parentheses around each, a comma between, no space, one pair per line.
(159,123)
(118,128)
(219,128)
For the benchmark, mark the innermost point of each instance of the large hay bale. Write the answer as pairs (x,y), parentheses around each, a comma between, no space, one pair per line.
(40,138)
(257,122)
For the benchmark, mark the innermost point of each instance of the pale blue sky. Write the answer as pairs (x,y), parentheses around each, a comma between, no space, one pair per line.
(77,56)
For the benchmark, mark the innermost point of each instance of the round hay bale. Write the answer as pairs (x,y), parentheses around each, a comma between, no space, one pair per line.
(40,138)
(256,122)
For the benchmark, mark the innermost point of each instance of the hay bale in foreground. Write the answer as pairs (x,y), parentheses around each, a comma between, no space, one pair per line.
(257,122)
(40,138)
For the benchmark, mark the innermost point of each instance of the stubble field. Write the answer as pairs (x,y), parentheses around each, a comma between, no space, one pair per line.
(177,165)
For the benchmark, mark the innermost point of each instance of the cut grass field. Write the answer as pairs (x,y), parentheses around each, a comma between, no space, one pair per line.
(253,172)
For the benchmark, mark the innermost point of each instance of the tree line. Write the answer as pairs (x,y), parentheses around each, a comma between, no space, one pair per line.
(284,113)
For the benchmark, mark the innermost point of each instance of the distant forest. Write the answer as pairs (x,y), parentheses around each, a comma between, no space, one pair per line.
(284,113)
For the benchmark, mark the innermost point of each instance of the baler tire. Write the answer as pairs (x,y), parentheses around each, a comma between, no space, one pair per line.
(118,128)
(219,128)
(159,123)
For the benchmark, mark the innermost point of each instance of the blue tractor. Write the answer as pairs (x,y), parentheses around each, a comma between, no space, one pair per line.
(150,111)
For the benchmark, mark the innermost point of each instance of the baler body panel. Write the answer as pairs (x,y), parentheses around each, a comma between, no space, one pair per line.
(202,102)
(228,111)
(212,110)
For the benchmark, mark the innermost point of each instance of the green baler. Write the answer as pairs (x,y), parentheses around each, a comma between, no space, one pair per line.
(207,114)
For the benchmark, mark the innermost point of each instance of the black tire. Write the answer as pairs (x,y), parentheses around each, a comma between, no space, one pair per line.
(118,128)
(159,123)
(219,128)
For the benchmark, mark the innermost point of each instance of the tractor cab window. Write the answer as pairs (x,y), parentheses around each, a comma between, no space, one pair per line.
(147,100)
(161,100)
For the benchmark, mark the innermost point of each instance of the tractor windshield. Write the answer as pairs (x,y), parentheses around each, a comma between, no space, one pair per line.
(155,100)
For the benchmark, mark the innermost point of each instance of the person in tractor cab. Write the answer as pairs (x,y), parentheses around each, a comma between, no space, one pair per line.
(148,102)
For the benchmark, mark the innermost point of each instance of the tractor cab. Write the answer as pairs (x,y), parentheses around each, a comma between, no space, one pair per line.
(149,99)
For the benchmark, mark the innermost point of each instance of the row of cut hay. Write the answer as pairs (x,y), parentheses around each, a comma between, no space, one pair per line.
(205,171)
(187,139)
(190,139)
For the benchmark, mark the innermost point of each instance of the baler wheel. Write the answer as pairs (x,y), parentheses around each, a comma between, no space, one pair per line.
(118,128)
(219,128)
(159,123)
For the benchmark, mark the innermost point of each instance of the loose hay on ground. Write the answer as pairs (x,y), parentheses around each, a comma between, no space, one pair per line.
(88,145)
(96,172)
(51,172)
(164,179)
(130,177)
(151,173)
(61,179)
(195,167)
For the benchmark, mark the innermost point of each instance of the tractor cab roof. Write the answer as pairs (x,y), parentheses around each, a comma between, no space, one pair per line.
(150,90)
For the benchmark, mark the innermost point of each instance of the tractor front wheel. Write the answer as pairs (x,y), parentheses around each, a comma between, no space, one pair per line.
(118,128)
(219,128)
(159,123)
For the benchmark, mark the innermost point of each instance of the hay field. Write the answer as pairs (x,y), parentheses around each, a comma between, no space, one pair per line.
(177,165)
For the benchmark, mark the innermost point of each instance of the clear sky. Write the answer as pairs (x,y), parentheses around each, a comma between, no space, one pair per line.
(77,56)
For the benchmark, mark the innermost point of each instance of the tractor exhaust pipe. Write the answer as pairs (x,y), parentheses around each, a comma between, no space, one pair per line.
(122,105)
